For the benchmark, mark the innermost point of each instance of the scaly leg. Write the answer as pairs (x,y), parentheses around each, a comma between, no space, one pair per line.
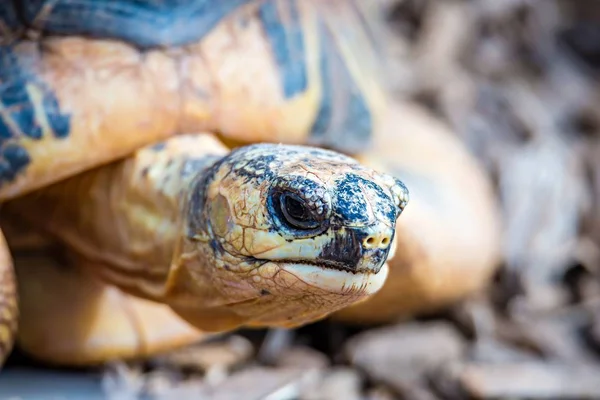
(69,317)
(9,312)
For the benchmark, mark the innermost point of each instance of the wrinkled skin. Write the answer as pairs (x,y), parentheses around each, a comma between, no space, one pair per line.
(287,234)
(265,235)
(9,312)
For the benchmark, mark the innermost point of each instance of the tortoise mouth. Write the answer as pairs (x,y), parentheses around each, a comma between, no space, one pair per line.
(338,281)
(333,265)
(332,276)
(323,264)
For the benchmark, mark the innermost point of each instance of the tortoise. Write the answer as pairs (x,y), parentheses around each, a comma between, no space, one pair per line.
(109,116)
(210,150)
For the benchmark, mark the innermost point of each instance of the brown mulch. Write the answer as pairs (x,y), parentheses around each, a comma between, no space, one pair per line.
(517,80)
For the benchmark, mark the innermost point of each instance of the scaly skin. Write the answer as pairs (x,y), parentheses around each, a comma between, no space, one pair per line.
(70,317)
(9,312)
(189,224)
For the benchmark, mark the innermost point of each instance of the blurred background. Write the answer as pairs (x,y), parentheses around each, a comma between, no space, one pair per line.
(515,82)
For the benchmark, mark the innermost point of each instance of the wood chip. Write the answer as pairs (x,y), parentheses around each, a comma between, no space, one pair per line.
(302,357)
(402,355)
(259,383)
(340,383)
(531,380)
(225,353)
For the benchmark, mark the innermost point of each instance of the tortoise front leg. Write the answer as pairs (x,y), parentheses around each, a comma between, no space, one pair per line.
(9,311)
(69,317)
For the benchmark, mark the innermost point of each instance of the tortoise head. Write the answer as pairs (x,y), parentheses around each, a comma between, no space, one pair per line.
(283,235)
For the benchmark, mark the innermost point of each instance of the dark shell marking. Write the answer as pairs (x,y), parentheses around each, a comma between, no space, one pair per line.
(146,24)
(344,121)
(287,43)
(370,15)
(20,116)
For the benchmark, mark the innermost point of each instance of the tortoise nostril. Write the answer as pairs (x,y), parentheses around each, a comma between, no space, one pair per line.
(377,241)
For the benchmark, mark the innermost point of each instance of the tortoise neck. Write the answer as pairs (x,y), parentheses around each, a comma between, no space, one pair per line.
(127,217)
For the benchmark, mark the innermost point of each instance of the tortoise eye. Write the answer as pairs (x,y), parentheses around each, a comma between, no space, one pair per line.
(296,212)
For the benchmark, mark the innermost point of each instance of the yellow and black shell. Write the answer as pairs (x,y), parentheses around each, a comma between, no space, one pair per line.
(83,83)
